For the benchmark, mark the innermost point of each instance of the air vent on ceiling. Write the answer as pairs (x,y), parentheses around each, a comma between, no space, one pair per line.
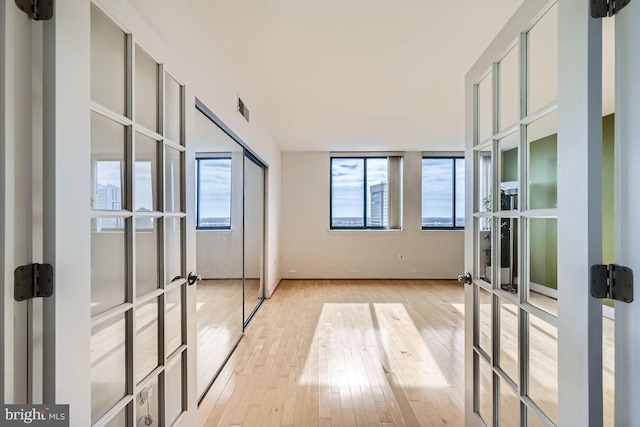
(242,109)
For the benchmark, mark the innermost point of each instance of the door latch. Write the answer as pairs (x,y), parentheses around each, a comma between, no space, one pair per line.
(465,278)
(33,281)
(612,281)
(192,278)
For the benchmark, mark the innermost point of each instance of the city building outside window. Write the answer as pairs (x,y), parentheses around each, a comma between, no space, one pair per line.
(365,192)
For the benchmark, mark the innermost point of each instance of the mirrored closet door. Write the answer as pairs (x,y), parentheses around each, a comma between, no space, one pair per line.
(230,240)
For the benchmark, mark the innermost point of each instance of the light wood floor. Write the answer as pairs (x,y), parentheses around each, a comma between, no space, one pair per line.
(333,353)
(220,322)
(219,316)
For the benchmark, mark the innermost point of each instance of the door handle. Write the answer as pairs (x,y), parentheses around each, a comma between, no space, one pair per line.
(192,278)
(466,278)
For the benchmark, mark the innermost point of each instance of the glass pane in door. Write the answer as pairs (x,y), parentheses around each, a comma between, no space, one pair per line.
(108,63)
(146,339)
(173,180)
(146,174)
(173,249)
(543,264)
(542,60)
(509,161)
(508,336)
(174,386)
(510,89)
(542,141)
(146,255)
(543,366)
(485,309)
(509,405)
(146,90)
(485,391)
(173,320)
(108,365)
(483,241)
(172,109)
(485,108)
(108,145)
(484,171)
(108,280)
(148,413)
(508,250)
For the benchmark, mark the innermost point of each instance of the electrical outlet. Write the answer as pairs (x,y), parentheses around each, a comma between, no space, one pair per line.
(401,257)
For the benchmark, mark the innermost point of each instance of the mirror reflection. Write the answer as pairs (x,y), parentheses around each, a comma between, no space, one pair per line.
(219,241)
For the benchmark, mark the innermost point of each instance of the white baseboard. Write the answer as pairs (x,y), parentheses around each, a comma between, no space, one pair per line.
(544,290)
(273,287)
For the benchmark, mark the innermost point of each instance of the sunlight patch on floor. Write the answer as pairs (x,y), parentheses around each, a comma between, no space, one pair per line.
(362,344)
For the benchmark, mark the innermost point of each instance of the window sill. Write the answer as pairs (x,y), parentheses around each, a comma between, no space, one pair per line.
(363,230)
(214,230)
(435,229)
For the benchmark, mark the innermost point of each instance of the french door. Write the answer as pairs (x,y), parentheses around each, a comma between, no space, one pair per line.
(533,332)
(140,280)
(94,155)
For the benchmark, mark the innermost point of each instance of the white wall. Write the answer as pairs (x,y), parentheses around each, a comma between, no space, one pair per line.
(311,250)
(175,34)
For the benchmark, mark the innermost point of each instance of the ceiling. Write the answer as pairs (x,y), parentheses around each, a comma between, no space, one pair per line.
(357,74)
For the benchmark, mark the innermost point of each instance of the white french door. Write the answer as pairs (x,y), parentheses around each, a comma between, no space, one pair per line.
(533,141)
(95,155)
(141,294)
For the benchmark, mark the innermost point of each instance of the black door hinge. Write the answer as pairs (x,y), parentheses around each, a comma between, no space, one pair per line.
(605,8)
(38,10)
(612,281)
(33,281)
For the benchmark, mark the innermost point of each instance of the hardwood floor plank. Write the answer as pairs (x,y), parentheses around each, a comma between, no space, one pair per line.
(354,353)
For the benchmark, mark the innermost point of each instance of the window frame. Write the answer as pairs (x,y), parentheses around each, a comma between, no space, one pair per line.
(366,198)
(199,192)
(453,159)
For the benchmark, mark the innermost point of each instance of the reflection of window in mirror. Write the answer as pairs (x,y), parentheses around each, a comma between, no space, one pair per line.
(107,188)
(213,199)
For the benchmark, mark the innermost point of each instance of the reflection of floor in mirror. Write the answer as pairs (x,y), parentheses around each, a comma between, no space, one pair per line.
(252,295)
(544,302)
(374,352)
(219,317)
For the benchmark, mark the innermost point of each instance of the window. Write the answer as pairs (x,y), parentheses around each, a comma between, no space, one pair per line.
(365,192)
(443,193)
(213,180)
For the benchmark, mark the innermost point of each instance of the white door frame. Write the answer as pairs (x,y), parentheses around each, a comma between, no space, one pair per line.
(21,139)
(67,246)
(627,203)
(579,227)
(580,394)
